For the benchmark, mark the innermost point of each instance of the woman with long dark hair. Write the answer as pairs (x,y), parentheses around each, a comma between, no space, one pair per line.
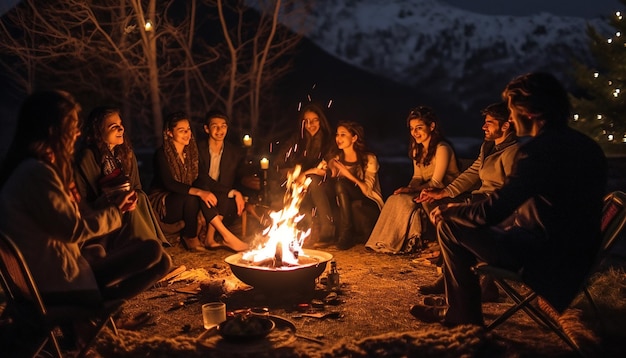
(309,149)
(39,210)
(402,223)
(106,166)
(178,192)
(355,169)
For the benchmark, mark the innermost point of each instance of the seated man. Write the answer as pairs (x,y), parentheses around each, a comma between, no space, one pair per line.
(554,212)
(225,163)
(488,172)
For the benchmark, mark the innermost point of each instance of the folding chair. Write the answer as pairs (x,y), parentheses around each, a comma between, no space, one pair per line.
(613,221)
(35,322)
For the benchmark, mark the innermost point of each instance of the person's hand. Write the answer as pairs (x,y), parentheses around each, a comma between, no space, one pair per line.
(431,194)
(241,203)
(422,197)
(435,214)
(209,198)
(341,169)
(128,202)
(333,166)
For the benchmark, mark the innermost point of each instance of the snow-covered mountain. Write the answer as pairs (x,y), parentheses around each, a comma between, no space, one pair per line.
(429,44)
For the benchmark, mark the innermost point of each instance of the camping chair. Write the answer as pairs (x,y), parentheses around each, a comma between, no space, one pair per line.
(613,220)
(35,321)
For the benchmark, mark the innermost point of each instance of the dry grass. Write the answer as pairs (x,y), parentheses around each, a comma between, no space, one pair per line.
(376,292)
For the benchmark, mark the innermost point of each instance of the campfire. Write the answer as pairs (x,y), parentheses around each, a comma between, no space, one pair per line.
(278,257)
(280,244)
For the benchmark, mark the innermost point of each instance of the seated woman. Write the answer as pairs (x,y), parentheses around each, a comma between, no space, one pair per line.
(106,164)
(178,192)
(309,148)
(402,223)
(355,170)
(39,210)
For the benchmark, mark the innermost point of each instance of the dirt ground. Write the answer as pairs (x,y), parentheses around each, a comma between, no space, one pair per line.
(374,298)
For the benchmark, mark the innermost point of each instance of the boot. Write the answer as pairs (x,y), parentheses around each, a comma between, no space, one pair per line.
(489,290)
(322,233)
(345,239)
(327,231)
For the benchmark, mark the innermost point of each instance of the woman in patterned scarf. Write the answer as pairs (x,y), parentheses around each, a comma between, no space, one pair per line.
(178,192)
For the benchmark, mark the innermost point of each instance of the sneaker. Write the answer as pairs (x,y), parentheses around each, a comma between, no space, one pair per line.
(435,288)
(428,314)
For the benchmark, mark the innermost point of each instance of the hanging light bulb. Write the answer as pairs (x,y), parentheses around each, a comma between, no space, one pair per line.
(148,26)
(609,40)
(596,74)
(618,34)
(610,137)
(575,116)
(599,117)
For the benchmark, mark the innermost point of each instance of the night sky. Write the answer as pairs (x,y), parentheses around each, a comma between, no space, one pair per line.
(580,8)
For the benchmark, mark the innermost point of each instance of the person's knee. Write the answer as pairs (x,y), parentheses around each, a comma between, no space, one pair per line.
(151,250)
(191,203)
(166,263)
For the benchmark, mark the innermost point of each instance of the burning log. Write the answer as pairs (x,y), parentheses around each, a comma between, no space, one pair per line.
(278,256)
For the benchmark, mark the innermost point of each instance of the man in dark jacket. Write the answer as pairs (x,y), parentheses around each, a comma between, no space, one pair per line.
(225,163)
(552,200)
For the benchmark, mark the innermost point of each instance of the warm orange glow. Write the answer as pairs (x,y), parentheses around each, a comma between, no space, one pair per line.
(283,237)
(265,163)
(247,140)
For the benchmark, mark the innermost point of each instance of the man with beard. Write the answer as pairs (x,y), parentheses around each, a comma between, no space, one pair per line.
(554,210)
(487,173)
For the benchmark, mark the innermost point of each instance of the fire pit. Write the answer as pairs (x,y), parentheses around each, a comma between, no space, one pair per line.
(300,277)
(278,262)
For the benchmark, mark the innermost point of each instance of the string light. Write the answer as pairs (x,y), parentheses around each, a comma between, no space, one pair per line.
(610,132)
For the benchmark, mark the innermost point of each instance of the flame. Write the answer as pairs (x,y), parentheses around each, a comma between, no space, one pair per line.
(282,239)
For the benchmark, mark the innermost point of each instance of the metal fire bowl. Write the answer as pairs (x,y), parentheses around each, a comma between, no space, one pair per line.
(293,278)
